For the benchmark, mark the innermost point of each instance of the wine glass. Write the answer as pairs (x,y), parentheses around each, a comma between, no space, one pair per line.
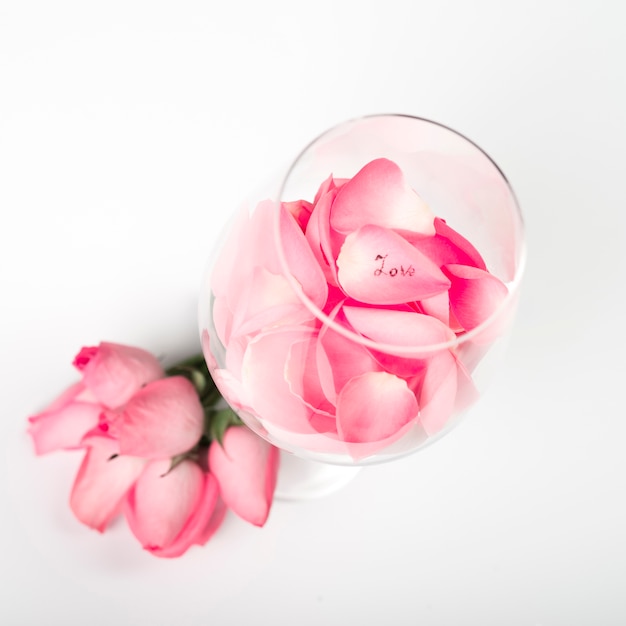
(359,304)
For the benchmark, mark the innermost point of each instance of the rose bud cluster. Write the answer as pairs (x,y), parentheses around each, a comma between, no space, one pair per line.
(156,449)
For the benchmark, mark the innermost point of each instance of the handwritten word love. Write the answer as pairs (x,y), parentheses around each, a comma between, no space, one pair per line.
(394,271)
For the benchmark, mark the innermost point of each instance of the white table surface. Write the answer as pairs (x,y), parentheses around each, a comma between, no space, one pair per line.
(129,130)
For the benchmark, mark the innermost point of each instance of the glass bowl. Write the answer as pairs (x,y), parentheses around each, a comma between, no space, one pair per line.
(359,304)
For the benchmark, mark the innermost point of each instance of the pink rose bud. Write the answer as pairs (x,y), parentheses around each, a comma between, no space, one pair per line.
(169,510)
(246,469)
(113,372)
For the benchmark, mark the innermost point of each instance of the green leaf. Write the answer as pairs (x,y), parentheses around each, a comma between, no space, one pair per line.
(219,423)
(196,371)
(199,380)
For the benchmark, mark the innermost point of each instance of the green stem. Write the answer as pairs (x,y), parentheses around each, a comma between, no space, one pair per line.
(196,362)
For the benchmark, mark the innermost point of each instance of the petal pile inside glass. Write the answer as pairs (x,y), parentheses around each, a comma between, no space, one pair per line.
(372,257)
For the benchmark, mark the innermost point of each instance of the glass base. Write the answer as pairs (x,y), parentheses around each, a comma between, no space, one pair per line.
(300,479)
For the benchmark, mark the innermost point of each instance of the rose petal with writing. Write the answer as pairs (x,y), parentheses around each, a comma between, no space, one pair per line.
(378,266)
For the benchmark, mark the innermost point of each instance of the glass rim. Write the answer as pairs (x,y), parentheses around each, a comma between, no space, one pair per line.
(395,349)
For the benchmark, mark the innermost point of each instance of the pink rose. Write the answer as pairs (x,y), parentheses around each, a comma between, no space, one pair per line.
(369,253)
(122,392)
(111,375)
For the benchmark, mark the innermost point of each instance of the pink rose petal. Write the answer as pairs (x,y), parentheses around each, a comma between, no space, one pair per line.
(467,393)
(329,184)
(374,406)
(64,427)
(246,248)
(438,393)
(437,306)
(324,243)
(222,319)
(208,517)
(259,248)
(378,194)
(303,377)
(102,482)
(231,388)
(207,352)
(267,301)
(339,359)
(475,294)
(202,524)
(263,378)
(163,419)
(398,328)
(300,210)
(448,246)
(378,266)
(459,247)
(405,367)
(301,260)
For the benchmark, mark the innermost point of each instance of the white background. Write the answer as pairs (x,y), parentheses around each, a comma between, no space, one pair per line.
(128,132)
